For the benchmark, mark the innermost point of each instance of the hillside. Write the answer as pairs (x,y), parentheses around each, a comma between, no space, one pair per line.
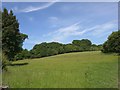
(72,70)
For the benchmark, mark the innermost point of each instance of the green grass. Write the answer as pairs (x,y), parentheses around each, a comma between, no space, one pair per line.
(72,70)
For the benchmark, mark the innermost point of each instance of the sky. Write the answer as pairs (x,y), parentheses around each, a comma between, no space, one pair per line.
(65,21)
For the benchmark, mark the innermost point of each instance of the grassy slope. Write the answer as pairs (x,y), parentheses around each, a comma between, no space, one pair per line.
(73,70)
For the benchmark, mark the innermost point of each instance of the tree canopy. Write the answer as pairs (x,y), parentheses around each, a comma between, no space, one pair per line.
(85,44)
(53,48)
(12,38)
(113,43)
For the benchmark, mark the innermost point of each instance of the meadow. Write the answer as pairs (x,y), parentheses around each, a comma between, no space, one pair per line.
(71,70)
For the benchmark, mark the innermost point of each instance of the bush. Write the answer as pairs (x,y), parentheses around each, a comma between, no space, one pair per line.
(5,62)
(24,54)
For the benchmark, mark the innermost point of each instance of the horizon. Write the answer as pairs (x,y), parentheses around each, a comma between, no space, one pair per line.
(65,21)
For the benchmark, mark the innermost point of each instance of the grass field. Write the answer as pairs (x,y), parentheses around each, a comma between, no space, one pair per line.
(72,70)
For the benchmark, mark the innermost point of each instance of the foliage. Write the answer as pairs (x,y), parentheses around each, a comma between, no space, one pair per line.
(0,31)
(71,48)
(54,48)
(84,44)
(113,43)
(24,54)
(95,47)
(12,39)
(48,49)
(5,62)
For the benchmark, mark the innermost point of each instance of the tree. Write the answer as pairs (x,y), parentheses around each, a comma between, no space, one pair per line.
(76,42)
(53,48)
(46,49)
(12,39)
(71,48)
(113,43)
(84,44)
(95,47)
(0,31)
(24,54)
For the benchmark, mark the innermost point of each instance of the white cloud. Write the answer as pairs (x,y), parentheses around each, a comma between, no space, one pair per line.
(31,8)
(100,30)
(65,32)
(77,30)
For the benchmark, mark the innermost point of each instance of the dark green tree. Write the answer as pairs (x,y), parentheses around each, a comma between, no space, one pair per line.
(95,47)
(24,54)
(71,48)
(84,44)
(113,43)
(12,39)
(46,49)
(0,31)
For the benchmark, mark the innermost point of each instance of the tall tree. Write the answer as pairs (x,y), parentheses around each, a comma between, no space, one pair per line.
(113,43)
(0,32)
(12,39)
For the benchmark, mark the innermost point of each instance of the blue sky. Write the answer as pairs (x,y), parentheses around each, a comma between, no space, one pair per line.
(64,21)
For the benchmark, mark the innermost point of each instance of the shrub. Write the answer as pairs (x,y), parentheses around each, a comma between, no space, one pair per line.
(5,62)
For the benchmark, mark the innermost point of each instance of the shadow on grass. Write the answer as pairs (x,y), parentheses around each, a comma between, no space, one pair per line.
(18,64)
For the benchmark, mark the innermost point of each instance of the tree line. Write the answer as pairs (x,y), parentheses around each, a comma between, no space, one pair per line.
(54,48)
(112,45)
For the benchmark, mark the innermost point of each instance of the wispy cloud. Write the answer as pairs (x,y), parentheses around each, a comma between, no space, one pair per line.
(65,32)
(31,8)
(101,30)
(77,30)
